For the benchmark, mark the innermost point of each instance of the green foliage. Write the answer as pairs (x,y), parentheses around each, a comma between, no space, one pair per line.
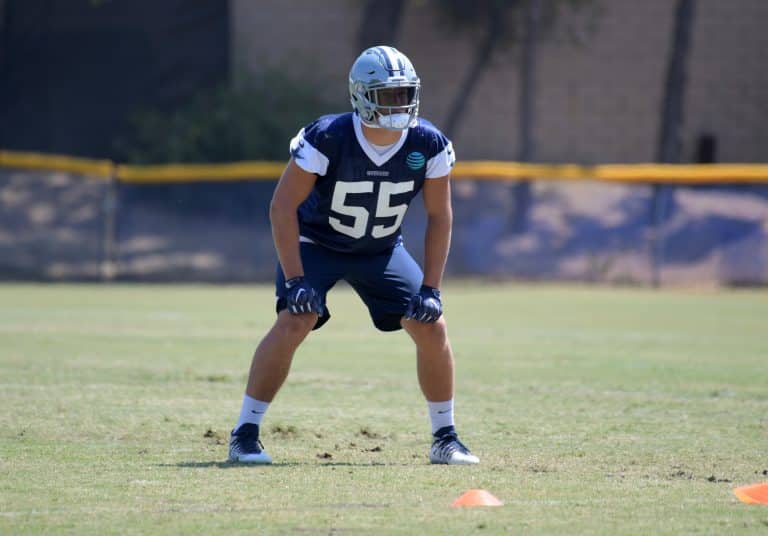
(225,124)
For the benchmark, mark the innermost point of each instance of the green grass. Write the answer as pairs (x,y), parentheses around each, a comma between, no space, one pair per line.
(594,411)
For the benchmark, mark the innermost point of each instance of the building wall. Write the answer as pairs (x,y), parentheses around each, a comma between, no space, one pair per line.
(597,101)
(310,40)
(728,88)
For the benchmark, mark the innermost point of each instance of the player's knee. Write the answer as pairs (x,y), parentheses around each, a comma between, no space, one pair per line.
(295,326)
(438,330)
(434,333)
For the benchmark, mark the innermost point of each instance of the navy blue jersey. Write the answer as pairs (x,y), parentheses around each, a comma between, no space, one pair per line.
(360,195)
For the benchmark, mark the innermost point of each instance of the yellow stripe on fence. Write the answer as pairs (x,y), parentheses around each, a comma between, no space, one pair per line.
(52,162)
(200,172)
(643,173)
(470,170)
(684,173)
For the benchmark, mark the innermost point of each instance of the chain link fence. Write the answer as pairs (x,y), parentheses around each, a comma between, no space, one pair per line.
(59,226)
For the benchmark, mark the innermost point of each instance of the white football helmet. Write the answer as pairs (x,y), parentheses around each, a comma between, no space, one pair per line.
(384,89)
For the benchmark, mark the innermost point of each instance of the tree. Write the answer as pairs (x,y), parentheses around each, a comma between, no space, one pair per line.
(495,25)
(3,43)
(224,124)
(669,145)
(379,23)
(521,192)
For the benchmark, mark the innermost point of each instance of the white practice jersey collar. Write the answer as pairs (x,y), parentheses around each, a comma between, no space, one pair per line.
(369,150)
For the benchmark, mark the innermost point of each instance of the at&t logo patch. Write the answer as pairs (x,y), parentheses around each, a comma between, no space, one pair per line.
(415,160)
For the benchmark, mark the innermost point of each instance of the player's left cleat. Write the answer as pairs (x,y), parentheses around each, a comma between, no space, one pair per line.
(245,447)
(447,449)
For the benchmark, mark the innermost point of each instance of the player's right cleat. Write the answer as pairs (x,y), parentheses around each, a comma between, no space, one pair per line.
(245,447)
(447,449)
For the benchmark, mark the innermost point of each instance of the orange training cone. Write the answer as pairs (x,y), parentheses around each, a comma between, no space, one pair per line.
(754,494)
(477,497)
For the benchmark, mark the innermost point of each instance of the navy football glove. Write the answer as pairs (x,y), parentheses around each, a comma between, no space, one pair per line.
(425,306)
(302,298)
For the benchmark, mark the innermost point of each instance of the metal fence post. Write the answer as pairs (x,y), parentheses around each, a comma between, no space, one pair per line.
(657,242)
(109,267)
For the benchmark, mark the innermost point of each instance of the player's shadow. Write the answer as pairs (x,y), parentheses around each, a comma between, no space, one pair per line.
(225,464)
(359,464)
(233,465)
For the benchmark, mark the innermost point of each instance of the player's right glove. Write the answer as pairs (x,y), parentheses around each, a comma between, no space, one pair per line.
(302,298)
(425,306)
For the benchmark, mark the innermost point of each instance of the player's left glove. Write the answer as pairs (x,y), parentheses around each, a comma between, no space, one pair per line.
(425,306)
(302,298)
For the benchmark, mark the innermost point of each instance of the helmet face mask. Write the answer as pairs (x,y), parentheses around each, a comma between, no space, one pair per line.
(384,89)
(393,97)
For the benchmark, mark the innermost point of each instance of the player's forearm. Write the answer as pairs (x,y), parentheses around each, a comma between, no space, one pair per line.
(437,242)
(285,234)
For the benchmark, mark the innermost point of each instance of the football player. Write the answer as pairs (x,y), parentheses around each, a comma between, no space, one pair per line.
(336,214)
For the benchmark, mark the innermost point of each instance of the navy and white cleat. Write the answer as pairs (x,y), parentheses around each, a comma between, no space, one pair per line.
(245,447)
(447,449)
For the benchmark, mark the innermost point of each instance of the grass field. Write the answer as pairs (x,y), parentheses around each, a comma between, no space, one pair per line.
(594,411)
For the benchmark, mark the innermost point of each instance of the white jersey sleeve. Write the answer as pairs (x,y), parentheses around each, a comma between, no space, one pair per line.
(440,165)
(307,156)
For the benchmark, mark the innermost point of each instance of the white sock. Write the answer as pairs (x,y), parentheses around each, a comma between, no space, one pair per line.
(441,414)
(252,411)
